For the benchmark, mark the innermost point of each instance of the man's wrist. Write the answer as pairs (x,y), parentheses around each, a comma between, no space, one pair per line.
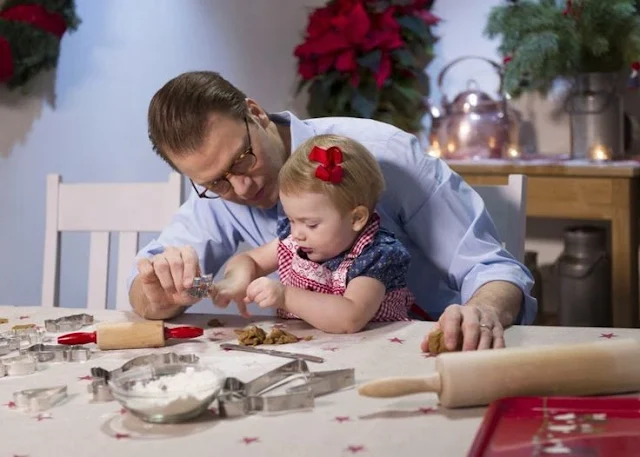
(503,297)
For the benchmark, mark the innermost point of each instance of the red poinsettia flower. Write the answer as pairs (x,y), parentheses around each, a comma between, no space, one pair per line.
(344,30)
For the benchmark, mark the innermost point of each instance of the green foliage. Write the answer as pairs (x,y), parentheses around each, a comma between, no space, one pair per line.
(34,50)
(546,40)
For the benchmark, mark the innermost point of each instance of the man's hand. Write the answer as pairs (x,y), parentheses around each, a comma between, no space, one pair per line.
(163,282)
(477,326)
(266,293)
(480,323)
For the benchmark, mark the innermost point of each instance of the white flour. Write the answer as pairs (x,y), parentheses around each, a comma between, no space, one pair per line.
(180,393)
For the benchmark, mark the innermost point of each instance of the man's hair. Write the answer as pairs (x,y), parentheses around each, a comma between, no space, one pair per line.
(179,112)
(362,182)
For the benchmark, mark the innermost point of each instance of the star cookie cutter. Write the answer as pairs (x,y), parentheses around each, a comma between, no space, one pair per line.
(201,285)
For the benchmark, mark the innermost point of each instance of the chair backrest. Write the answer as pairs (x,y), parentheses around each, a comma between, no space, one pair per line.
(126,208)
(507,206)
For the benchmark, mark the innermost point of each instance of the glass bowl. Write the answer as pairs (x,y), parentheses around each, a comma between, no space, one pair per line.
(167,393)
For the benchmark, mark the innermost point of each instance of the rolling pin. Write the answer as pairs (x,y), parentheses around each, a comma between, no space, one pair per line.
(130,335)
(476,378)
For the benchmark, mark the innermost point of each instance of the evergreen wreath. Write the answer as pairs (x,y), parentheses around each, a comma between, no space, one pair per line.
(546,39)
(30,34)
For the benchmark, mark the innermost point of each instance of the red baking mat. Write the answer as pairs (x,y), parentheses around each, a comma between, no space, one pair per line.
(566,426)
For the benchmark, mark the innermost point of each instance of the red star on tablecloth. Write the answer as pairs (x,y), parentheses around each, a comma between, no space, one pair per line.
(249,440)
(11,405)
(85,378)
(341,419)
(395,339)
(355,449)
(332,349)
(122,411)
(213,410)
(425,410)
(121,436)
(608,335)
(41,417)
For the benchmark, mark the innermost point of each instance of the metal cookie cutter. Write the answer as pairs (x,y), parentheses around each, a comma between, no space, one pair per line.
(239,399)
(99,387)
(34,400)
(18,366)
(200,286)
(20,338)
(58,353)
(68,323)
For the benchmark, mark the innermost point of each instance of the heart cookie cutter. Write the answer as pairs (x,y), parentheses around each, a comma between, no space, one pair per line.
(34,400)
(68,323)
(58,353)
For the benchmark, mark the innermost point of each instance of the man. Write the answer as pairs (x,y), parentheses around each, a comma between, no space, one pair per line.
(232,150)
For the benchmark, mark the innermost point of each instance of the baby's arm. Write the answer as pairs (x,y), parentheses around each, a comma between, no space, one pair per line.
(253,264)
(240,271)
(337,314)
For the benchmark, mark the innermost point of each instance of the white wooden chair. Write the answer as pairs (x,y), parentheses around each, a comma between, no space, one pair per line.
(507,206)
(127,208)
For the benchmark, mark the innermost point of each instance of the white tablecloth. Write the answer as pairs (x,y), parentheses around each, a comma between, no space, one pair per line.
(341,424)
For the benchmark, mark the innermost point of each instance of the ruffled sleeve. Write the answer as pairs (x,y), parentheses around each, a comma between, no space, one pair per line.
(385,259)
(284,228)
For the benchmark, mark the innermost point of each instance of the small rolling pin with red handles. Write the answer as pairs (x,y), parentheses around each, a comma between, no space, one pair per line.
(130,335)
(476,378)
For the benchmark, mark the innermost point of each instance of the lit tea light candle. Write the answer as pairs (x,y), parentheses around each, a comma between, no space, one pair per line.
(451,147)
(513,152)
(600,153)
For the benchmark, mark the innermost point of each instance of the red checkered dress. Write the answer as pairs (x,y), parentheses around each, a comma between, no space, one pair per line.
(296,271)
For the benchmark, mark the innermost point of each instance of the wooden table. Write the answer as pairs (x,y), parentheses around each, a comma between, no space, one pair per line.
(586,191)
(341,424)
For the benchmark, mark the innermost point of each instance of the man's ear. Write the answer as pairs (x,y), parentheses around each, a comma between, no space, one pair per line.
(359,218)
(257,113)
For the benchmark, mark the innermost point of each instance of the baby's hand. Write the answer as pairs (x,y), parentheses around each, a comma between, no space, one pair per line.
(266,293)
(226,291)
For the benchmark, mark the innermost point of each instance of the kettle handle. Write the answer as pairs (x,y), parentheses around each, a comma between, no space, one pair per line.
(497,67)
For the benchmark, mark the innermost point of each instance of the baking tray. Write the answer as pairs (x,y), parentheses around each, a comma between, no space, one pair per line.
(571,426)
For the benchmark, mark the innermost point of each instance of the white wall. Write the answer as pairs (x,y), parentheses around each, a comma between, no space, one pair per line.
(88,123)
(122,53)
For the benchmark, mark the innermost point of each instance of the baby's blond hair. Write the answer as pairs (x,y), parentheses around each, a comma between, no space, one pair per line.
(361,184)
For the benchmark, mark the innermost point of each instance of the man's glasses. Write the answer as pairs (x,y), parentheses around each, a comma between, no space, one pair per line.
(242,165)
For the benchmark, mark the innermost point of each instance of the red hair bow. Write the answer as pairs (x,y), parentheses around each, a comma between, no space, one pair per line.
(328,170)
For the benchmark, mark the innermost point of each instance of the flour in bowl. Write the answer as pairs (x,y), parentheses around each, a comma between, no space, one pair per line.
(174,394)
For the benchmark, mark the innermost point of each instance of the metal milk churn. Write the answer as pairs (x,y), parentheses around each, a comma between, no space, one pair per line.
(597,119)
(584,272)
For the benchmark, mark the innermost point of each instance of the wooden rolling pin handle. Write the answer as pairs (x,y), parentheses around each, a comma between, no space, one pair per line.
(397,387)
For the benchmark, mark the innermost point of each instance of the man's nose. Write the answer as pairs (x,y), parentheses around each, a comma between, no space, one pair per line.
(241,185)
